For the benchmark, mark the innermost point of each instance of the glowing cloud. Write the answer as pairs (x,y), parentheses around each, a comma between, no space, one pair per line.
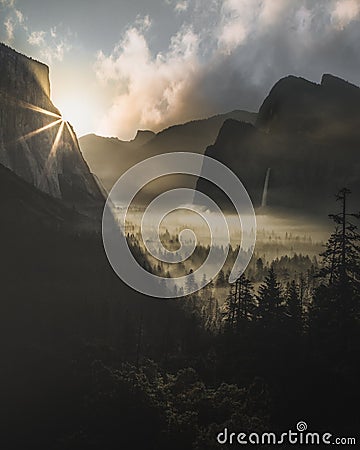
(345,11)
(151,88)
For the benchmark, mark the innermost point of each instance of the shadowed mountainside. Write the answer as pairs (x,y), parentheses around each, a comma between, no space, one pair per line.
(109,158)
(307,134)
(23,205)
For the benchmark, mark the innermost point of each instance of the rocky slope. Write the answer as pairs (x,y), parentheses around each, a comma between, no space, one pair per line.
(34,142)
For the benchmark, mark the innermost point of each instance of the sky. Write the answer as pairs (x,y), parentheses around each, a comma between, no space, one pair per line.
(117,66)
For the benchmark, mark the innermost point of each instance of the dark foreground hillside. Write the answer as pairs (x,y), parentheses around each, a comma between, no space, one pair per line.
(88,363)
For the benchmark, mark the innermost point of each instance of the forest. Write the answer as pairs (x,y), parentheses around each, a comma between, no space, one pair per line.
(93,365)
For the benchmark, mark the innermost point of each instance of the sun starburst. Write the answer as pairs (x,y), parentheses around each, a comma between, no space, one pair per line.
(72,134)
(51,159)
(39,130)
(59,121)
(40,110)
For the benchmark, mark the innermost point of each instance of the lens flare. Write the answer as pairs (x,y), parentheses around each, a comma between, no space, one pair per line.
(23,104)
(72,134)
(51,158)
(38,109)
(39,130)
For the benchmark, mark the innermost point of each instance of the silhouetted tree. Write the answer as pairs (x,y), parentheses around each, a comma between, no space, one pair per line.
(259,269)
(190,284)
(341,259)
(220,279)
(239,305)
(269,297)
(294,306)
(336,299)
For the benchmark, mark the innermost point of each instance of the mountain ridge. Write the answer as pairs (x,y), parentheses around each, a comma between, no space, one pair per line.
(306,133)
(109,158)
(295,104)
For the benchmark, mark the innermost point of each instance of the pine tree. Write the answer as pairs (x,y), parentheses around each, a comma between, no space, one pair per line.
(190,285)
(336,300)
(341,260)
(294,306)
(239,306)
(220,279)
(259,269)
(302,289)
(270,297)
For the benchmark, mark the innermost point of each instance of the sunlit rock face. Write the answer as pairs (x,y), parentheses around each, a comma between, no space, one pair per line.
(34,141)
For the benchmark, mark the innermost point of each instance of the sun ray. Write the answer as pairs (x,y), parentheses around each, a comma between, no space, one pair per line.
(39,130)
(40,110)
(50,159)
(56,142)
(72,134)
(24,104)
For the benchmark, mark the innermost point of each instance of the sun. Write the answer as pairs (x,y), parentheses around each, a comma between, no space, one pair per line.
(65,118)
(77,112)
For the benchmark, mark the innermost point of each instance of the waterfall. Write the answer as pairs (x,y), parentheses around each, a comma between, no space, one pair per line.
(266,187)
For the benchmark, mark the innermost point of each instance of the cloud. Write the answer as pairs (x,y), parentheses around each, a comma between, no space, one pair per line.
(272,11)
(242,20)
(50,45)
(345,11)
(55,51)
(182,6)
(150,88)
(8,3)
(37,38)
(226,55)
(9,27)
(237,18)
(179,6)
(19,15)
(143,23)
(14,19)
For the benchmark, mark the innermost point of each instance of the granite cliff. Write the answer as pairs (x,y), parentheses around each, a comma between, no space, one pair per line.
(35,143)
(308,135)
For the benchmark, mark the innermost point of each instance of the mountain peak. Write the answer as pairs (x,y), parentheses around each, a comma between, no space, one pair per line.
(143,136)
(36,71)
(291,82)
(296,105)
(332,81)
